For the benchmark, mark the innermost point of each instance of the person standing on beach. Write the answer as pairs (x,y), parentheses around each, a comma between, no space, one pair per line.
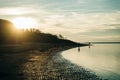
(78,49)
(89,44)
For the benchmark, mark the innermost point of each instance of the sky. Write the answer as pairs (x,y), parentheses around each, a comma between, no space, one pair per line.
(78,20)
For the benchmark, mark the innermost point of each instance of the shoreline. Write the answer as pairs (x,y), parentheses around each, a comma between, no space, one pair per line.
(42,65)
(57,68)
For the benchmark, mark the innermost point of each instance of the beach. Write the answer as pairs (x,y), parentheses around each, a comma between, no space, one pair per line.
(41,64)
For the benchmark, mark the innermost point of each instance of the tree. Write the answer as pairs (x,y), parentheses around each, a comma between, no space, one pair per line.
(7,31)
(60,36)
(6,26)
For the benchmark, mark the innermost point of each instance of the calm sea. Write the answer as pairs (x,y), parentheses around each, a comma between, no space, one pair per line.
(103,59)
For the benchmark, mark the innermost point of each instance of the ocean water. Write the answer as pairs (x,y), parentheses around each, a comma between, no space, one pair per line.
(103,59)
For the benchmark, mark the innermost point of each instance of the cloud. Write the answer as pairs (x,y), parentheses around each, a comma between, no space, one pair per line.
(113,26)
(16,11)
(89,26)
(75,19)
(78,22)
(106,38)
(92,38)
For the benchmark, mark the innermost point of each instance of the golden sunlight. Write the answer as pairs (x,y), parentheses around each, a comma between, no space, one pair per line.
(24,23)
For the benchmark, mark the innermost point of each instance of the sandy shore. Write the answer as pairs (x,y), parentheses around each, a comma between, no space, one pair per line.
(41,65)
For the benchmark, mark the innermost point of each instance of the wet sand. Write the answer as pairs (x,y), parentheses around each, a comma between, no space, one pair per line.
(41,65)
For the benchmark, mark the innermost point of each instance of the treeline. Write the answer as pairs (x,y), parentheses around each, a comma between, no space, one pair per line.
(35,35)
(8,34)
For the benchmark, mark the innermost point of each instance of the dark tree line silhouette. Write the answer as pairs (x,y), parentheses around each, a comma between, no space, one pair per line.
(7,31)
(8,34)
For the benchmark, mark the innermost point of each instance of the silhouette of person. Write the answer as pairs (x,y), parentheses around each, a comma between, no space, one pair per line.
(89,44)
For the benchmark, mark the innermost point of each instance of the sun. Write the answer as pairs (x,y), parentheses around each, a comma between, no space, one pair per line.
(24,23)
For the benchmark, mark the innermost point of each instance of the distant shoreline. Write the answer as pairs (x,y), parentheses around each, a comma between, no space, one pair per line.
(105,42)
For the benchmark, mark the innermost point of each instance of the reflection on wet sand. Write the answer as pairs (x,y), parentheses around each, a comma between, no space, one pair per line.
(54,67)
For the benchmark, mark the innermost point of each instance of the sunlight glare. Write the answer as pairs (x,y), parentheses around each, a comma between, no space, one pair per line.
(24,23)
